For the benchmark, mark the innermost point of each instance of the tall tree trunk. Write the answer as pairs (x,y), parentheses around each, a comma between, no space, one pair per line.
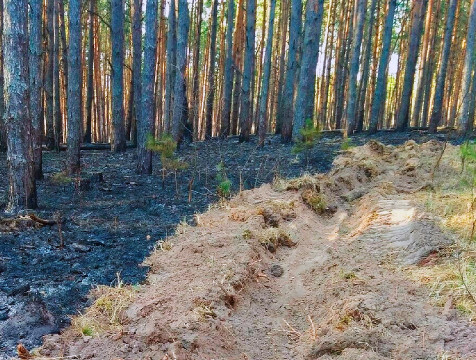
(246,107)
(366,69)
(195,69)
(229,71)
(117,43)
(413,51)
(57,120)
(283,36)
(238,45)
(64,46)
(89,91)
(74,88)
(304,107)
(266,75)
(445,55)
(36,67)
(3,135)
(22,189)
(49,90)
(378,104)
(171,66)
(211,71)
(360,8)
(464,120)
(287,110)
(295,30)
(136,66)
(180,100)
(145,126)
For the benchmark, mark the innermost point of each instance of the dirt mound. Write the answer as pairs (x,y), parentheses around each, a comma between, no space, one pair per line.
(307,269)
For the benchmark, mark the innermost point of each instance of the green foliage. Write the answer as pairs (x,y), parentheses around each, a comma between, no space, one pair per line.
(468,152)
(166,147)
(224,185)
(87,331)
(310,134)
(346,144)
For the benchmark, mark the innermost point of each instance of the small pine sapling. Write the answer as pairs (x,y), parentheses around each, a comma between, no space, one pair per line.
(166,147)
(310,134)
(224,184)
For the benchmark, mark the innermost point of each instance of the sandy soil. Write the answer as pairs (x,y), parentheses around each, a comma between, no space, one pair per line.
(307,269)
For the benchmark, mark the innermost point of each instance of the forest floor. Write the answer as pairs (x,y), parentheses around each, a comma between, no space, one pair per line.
(110,225)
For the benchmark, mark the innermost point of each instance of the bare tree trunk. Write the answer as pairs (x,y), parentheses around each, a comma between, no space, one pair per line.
(64,47)
(3,135)
(445,55)
(246,100)
(366,69)
(74,88)
(266,75)
(89,92)
(464,120)
(171,66)
(180,100)
(49,90)
(403,116)
(360,8)
(196,72)
(22,189)
(381,85)
(136,67)
(117,43)
(58,123)
(287,110)
(36,76)
(304,108)
(145,126)
(211,72)
(229,71)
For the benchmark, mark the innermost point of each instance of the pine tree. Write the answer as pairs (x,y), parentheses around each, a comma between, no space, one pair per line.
(304,107)
(22,189)
(229,71)
(145,126)
(74,88)
(117,44)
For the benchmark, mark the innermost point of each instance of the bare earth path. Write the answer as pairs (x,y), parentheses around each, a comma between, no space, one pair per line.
(266,277)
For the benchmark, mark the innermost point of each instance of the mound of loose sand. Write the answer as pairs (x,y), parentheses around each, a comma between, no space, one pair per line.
(305,269)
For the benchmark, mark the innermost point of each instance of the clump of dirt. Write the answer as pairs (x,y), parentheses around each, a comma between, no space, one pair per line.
(336,292)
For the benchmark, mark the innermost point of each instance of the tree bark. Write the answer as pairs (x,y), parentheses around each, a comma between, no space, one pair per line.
(196,72)
(229,72)
(211,72)
(89,91)
(145,125)
(246,107)
(464,120)
(304,108)
(410,68)
(360,8)
(266,76)
(22,189)
(49,90)
(136,66)
(366,70)
(287,110)
(117,43)
(171,66)
(74,88)
(36,68)
(180,101)
(57,119)
(381,84)
(436,114)
(3,135)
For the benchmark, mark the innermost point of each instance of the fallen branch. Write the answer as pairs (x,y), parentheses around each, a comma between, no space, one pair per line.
(42,221)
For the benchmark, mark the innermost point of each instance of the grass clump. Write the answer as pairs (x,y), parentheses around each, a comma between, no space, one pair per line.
(346,144)
(224,184)
(272,238)
(107,311)
(60,178)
